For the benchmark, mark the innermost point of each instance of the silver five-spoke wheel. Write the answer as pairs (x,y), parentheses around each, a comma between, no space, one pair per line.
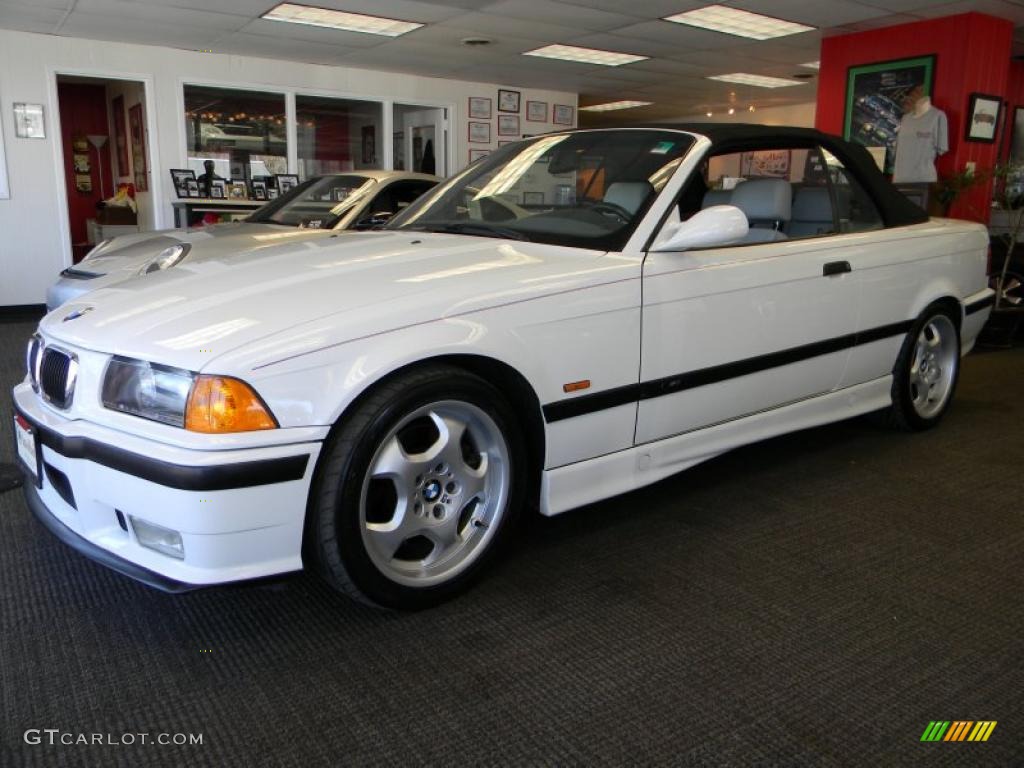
(934,366)
(434,493)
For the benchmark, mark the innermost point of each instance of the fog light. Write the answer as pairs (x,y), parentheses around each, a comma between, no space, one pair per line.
(156,537)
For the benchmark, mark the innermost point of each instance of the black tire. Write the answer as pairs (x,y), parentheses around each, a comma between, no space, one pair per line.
(334,540)
(902,414)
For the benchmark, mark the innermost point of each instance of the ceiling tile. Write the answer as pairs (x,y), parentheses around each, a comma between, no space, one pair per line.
(576,16)
(101,26)
(616,42)
(167,17)
(489,25)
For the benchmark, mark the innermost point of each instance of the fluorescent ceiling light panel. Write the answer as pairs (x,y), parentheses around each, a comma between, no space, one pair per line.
(733,21)
(812,65)
(613,105)
(585,55)
(759,81)
(350,22)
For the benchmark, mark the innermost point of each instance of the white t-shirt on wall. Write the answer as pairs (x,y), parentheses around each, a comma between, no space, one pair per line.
(919,141)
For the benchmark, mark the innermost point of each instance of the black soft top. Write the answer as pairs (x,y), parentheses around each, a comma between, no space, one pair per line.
(895,209)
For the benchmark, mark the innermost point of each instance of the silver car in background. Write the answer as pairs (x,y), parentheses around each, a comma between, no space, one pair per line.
(316,208)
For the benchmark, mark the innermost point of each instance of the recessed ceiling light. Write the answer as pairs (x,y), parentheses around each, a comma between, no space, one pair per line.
(350,22)
(710,114)
(751,108)
(733,21)
(585,55)
(760,81)
(812,65)
(613,105)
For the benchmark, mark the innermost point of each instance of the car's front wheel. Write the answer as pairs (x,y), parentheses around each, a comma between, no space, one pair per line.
(927,370)
(418,489)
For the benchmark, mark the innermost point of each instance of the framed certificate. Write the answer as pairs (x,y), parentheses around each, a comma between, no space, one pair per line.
(480,133)
(537,111)
(508,125)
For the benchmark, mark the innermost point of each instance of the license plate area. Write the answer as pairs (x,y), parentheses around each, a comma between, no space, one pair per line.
(27,447)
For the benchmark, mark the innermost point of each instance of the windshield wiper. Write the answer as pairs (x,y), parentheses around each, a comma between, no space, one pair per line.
(477,228)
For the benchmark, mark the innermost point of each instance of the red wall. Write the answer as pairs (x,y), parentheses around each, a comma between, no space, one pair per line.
(83,111)
(972,55)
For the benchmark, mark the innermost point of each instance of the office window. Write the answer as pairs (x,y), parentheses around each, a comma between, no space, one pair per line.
(242,132)
(338,135)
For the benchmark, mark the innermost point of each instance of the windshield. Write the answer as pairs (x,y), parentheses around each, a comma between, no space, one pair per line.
(587,189)
(319,203)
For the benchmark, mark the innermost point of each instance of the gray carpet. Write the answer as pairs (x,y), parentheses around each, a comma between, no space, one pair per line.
(813,600)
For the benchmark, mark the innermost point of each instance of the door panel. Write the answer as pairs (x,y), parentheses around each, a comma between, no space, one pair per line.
(731,331)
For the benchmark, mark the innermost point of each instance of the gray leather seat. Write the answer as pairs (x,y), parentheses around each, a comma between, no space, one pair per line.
(630,195)
(812,213)
(768,205)
(716,197)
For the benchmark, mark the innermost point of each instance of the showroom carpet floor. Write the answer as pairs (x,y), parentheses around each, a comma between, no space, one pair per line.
(814,600)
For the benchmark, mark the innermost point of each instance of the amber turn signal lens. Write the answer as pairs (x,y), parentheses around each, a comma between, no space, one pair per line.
(222,404)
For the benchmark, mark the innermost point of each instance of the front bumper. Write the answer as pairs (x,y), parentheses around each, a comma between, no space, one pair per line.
(239,512)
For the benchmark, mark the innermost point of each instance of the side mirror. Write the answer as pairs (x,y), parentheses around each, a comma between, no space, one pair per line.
(717,225)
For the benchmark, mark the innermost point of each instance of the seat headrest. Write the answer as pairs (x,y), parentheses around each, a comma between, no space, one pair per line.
(716,197)
(630,195)
(764,199)
(812,204)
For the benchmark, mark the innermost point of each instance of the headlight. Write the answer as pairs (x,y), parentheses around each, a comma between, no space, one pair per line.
(166,259)
(101,246)
(143,389)
(196,402)
(32,360)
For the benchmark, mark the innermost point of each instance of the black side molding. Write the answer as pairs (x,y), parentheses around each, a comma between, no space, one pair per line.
(836,268)
(220,477)
(980,304)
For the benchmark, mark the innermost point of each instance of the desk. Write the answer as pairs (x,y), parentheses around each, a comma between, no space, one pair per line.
(185,208)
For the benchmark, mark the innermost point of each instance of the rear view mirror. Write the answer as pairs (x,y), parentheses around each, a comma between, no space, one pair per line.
(717,225)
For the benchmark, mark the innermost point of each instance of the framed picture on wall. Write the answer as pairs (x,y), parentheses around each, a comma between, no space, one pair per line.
(29,122)
(478,154)
(875,100)
(138,134)
(983,117)
(120,137)
(767,163)
(537,111)
(562,114)
(508,101)
(479,133)
(180,177)
(480,107)
(508,125)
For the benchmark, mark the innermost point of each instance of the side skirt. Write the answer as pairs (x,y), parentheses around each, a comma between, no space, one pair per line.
(574,485)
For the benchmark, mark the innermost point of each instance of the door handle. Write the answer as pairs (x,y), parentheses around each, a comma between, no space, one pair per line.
(833,268)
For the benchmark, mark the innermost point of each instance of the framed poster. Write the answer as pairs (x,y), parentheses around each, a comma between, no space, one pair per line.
(29,122)
(237,190)
(875,96)
(138,134)
(508,101)
(120,137)
(218,189)
(983,117)
(5,189)
(537,111)
(285,182)
(478,154)
(480,107)
(479,133)
(508,125)
(767,163)
(562,114)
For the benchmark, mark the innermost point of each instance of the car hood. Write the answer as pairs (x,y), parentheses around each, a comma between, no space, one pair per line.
(350,285)
(132,252)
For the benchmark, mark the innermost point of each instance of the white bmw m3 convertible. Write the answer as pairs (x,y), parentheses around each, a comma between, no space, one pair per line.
(575,316)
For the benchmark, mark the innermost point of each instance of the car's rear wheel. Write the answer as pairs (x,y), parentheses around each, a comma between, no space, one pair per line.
(926,371)
(418,489)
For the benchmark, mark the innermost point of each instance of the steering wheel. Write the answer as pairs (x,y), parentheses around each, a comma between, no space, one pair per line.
(614,210)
